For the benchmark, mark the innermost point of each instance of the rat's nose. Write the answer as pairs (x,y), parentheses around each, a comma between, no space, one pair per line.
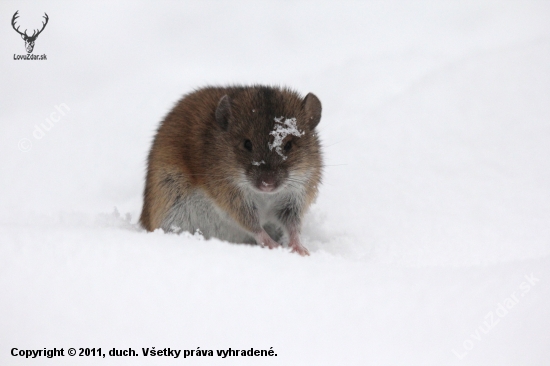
(267,183)
(266,187)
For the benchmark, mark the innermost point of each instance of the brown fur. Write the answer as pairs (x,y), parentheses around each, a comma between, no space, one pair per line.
(194,150)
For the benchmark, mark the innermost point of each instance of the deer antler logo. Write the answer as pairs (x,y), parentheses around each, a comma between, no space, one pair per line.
(29,40)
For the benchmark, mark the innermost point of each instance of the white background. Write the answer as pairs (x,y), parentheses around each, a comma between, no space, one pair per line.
(434,207)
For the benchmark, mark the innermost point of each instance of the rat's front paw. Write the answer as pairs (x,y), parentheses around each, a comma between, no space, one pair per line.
(298,248)
(265,240)
(295,245)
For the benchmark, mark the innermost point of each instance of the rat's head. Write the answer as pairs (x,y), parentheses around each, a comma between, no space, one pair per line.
(272,135)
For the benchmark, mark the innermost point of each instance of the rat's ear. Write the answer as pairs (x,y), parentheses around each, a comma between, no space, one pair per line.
(223,112)
(312,107)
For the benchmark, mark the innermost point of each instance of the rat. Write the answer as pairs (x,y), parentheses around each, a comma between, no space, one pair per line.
(239,163)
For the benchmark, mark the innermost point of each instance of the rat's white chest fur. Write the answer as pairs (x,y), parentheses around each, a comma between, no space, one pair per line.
(197,211)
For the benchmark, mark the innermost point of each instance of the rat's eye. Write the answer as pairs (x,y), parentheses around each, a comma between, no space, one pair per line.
(288,146)
(248,145)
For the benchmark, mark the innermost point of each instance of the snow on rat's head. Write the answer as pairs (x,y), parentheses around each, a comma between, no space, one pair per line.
(280,131)
(272,134)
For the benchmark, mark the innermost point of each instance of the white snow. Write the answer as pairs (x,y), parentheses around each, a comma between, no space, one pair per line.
(433,217)
(281,130)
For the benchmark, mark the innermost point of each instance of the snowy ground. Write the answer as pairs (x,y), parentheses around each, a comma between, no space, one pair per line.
(430,239)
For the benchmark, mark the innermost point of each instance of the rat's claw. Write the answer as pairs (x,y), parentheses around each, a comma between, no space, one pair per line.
(300,250)
(265,241)
(270,245)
